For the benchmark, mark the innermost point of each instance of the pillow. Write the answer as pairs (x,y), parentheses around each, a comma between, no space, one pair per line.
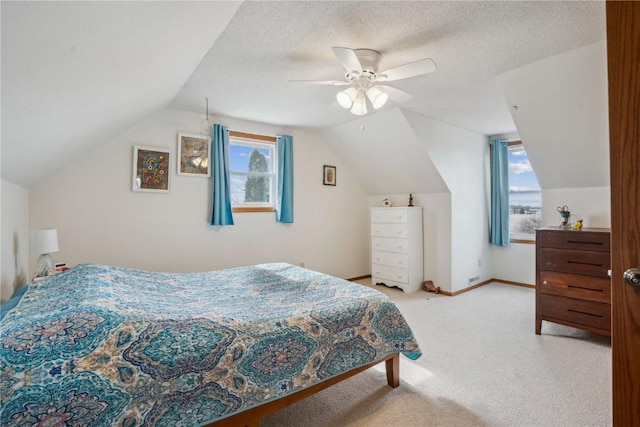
(12,302)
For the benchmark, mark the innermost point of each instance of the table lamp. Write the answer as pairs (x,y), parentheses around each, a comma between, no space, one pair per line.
(47,242)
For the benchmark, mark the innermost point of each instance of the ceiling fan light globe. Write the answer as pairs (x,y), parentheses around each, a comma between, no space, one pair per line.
(345,98)
(359,106)
(377,97)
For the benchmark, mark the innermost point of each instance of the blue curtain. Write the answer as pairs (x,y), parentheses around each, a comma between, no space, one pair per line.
(499,232)
(284,202)
(222,214)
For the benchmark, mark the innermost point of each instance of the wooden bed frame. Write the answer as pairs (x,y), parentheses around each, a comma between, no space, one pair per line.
(251,417)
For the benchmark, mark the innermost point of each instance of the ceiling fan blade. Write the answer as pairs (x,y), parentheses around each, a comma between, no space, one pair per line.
(321,82)
(348,59)
(396,95)
(412,69)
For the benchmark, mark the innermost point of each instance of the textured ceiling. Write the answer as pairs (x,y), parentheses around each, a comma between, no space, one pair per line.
(246,72)
(76,73)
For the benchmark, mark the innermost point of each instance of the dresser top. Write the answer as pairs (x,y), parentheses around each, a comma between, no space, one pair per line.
(569,229)
(395,207)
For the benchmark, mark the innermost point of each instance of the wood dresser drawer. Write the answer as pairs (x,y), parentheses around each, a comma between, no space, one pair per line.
(597,289)
(573,239)
(574,261)
(576,312)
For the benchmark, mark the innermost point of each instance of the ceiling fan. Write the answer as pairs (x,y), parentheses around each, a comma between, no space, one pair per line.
(362,76)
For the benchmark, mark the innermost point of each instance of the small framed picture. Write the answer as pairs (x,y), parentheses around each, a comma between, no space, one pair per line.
(194,155)
(329,175)
(151,169)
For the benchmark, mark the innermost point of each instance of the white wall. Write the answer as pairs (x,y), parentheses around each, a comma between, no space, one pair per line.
(592,205)
(100,220)
(459,156)
(514,263)
(563,116)
(15,239)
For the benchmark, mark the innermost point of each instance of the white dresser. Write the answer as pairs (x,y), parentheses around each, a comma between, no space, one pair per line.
(396,247)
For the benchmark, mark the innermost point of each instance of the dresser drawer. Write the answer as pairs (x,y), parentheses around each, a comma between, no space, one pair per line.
(392,273)
(389,245)
(577,311)
(389,215)
(391,259)
(589,288)
(389,230)
(588,263)
(578,240)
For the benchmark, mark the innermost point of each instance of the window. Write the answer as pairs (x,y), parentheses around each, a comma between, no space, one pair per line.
(525,199)
(252,170)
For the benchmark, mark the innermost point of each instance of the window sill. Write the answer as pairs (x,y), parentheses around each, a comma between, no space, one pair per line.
(525,241)
(253,210)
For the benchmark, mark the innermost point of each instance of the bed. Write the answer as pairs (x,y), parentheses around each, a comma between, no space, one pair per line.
(102,345)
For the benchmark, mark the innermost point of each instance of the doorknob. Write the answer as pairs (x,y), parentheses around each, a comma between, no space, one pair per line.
(632,276)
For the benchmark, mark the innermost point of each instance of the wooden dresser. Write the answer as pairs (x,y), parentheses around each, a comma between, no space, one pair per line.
(396,247)
(573,286)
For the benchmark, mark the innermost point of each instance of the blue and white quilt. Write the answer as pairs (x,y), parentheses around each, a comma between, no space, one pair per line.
(107,346)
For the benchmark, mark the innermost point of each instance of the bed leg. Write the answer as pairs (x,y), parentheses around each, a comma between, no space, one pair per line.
(393,370)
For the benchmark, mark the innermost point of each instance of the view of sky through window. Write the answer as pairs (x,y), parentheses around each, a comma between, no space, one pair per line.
(525,198)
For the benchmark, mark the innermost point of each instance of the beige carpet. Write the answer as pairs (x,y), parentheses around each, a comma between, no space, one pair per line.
(482,365)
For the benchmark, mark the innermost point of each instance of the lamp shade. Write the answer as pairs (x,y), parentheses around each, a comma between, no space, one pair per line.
(47,240)
(377,97)
(359,105)
(345,98)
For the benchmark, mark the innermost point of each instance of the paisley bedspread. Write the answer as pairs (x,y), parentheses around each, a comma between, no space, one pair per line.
(107,346)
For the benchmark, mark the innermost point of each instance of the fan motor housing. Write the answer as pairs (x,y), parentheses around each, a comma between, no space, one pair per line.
(369,60)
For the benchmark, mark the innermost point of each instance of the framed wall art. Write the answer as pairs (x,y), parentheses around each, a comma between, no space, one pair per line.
(329,175)
(194,155)
(151,169)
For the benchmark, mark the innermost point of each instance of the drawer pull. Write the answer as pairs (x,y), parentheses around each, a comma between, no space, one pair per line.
(595,264)
(588,314)
(585,243)
(586,289)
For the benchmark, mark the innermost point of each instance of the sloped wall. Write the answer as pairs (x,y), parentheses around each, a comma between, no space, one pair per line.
(562,116)
(459,156)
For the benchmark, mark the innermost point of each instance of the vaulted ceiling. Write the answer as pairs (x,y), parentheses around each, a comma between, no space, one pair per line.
(75,74)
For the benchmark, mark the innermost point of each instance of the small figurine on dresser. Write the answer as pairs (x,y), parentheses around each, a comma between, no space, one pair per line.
(577,225)
(410,200)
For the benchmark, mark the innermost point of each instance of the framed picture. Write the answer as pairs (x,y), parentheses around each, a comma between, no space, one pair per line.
(151,169)
(194,155)
(329,175)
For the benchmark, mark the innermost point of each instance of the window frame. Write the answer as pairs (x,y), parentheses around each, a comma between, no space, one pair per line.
(520,237)
(256,140)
